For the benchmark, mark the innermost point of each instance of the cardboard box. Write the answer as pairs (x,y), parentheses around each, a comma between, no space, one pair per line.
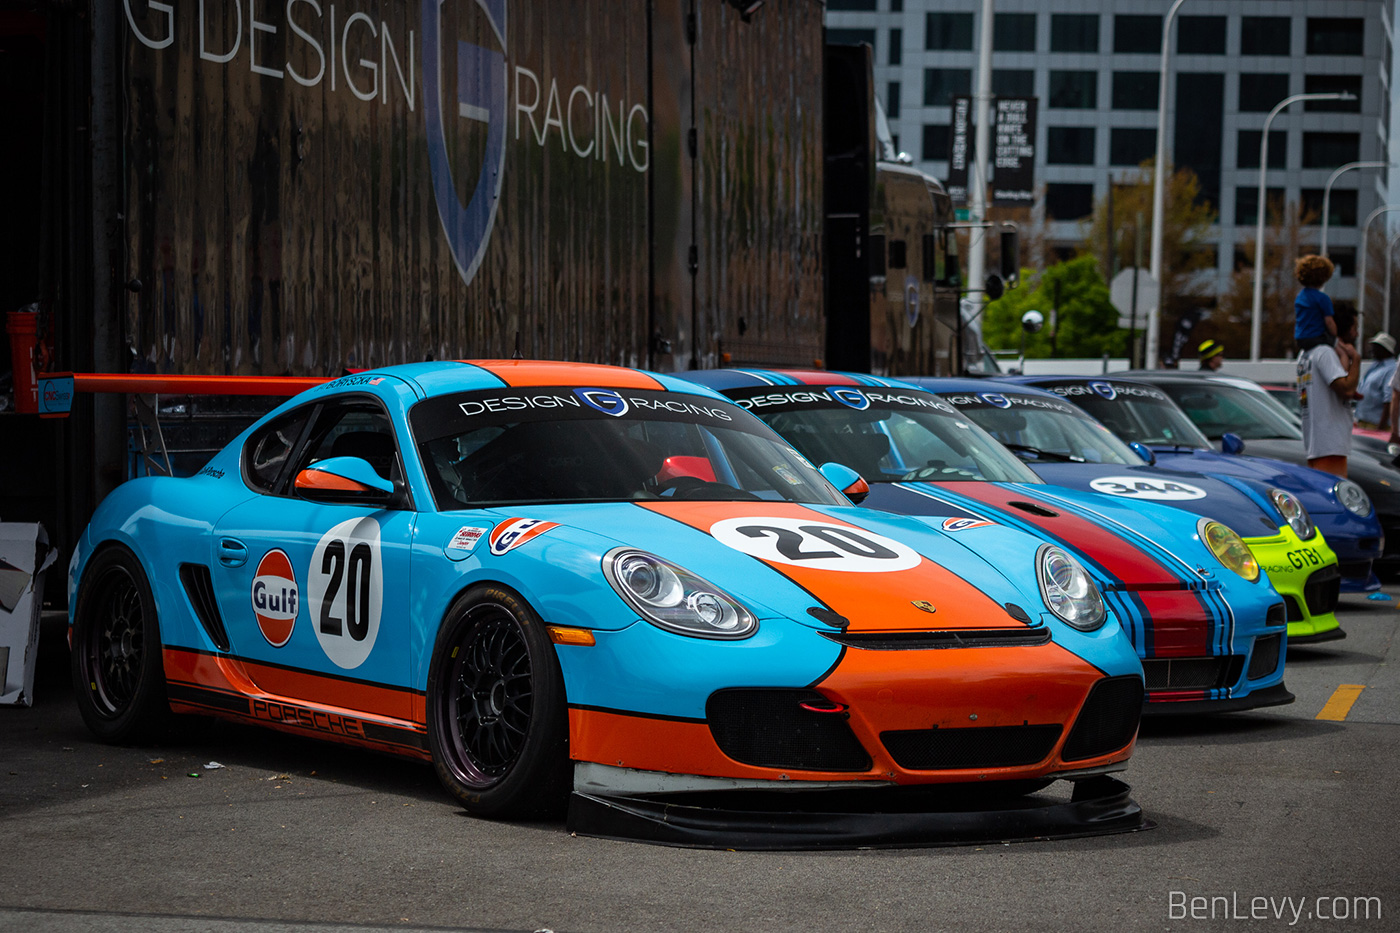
(24,556)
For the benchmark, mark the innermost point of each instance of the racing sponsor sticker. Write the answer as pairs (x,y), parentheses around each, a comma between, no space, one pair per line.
(346,584)
(276,597)
(1135,487)
(513,532)
(466,537)
(820,545)
(963,524)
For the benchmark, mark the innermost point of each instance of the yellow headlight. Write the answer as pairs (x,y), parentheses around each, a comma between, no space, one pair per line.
(1230,549)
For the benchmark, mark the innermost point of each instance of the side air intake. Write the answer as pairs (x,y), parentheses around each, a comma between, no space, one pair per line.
(200,589)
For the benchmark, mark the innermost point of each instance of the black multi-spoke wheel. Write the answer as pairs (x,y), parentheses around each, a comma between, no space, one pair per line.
(496,721)
(118,673)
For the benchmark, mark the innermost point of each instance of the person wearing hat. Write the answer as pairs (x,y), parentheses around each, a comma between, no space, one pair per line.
(1372,410)
(1211,354)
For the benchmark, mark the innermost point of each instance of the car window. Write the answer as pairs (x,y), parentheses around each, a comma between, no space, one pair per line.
(1217,408)
(1049,432)
(546,445)
(353,429)
(266,453)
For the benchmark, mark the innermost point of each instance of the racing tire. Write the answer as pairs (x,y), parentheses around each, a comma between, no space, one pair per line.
(117,664)
(497,724)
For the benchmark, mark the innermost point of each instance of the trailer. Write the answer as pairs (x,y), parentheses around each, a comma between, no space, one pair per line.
(259,188)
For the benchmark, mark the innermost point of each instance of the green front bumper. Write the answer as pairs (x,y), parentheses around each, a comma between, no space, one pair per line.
(1306,576)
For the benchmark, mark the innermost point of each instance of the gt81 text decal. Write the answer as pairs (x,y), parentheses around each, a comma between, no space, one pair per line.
(346,581)
(815,544)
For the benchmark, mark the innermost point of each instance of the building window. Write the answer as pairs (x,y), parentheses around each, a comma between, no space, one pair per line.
(1343,258)
(1330,150)
(1247,204)
(1328,36)
(1068,202)
(1070,145)
(1135,90)
(1265,35)
(942,84)
(936,142)
(1075,90)
(892,101)
(1260,93)
(856,5)
(1013,32)
(1247,154)
(851,37)
(1137,33)
(1333,84)
(1342,206)
(1013,82)
(1074,32)
(947,32)
(896,46)
(1201,35)
(1128,146)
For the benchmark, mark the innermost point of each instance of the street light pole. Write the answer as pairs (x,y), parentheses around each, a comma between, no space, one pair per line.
(1327,195)
(1256,312)
(1361,271)
(1158,189)
(977,245)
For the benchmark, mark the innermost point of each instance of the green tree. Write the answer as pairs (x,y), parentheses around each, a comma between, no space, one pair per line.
(1086,322)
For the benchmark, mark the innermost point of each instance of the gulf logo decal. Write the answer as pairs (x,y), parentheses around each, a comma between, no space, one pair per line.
(513,532)
(816,544)
(276,597)
(1134,487)
(962,524)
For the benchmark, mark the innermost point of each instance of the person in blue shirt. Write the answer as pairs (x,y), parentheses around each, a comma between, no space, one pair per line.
(1371,410)
(1313,324)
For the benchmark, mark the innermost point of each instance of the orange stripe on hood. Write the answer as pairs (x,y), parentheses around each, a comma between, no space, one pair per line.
(872,601)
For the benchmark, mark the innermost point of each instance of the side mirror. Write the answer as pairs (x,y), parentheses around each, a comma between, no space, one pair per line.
(349,480)
(1143,451)
(1231,443)
(847,480)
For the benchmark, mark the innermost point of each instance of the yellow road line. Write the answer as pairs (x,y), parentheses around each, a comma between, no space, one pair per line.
(1339,704)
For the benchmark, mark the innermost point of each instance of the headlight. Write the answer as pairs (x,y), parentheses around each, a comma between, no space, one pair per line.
(675,599)
(1228,548)
(1292,510)
(1068,590)
(1353,498)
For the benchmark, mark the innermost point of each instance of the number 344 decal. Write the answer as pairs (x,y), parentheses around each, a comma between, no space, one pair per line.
(816,544)
(1135,487)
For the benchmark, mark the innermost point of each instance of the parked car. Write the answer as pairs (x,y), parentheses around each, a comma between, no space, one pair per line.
(1220,405)
(1206,622)
(551,577)
(1067,447)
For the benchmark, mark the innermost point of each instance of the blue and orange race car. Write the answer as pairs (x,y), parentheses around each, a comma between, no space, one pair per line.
(549,578)
(1067,447)
(1207,624)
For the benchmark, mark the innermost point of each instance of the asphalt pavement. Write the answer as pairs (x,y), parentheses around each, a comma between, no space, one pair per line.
(1265,820)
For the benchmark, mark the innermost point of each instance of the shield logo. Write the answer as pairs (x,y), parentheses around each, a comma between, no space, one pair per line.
(925,605)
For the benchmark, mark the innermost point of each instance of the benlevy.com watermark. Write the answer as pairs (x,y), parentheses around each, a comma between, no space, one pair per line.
(1290,910)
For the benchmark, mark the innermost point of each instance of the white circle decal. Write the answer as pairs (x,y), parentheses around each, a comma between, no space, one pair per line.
(346,583)
(816,544)
(1135,487)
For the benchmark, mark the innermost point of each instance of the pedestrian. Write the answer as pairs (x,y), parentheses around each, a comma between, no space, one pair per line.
(1372,411)
(1211,353)
(1327,378)
(1314,322)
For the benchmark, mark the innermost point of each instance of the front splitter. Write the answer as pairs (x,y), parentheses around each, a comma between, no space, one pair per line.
(908,817)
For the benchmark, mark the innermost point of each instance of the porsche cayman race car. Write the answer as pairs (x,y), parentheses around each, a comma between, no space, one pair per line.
(1065,446)
(552,577)
(1207,624)
(1138,411)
